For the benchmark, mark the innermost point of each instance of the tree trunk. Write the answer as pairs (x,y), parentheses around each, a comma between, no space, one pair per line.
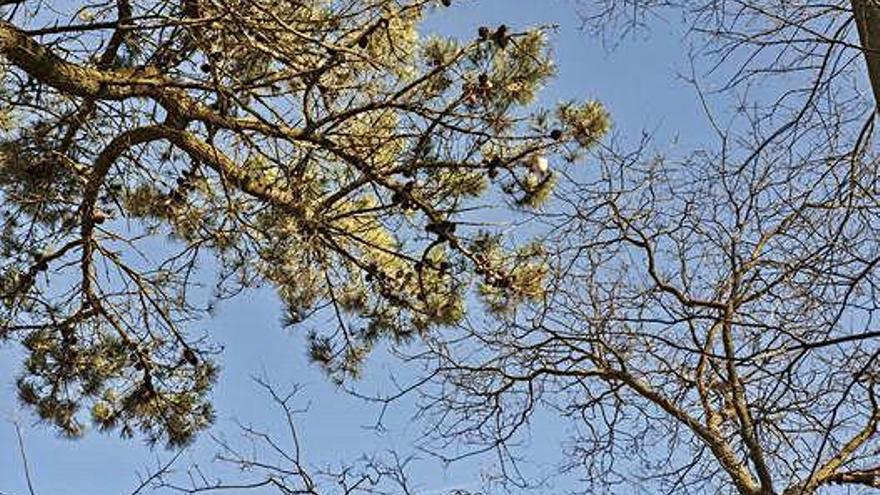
(867,16)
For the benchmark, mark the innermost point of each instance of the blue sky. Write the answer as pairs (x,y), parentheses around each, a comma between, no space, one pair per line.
(638,82)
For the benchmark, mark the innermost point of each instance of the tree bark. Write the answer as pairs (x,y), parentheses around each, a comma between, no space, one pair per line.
(867,16)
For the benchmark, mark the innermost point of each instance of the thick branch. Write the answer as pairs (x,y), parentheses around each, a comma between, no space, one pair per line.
(741,406)
(738,472)
(867,15)
(865,478)
(41,64)
(829,472)
(105,160)
(72,79)
(196,148)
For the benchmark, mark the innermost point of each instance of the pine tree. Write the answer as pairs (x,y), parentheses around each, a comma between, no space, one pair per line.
(329,149)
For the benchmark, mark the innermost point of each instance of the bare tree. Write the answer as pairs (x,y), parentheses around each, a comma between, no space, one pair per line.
(711,327)
(255,460)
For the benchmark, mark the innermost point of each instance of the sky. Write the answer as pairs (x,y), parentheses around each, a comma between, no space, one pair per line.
(639,83)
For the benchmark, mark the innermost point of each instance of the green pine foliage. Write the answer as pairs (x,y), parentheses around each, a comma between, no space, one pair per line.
(325,148)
